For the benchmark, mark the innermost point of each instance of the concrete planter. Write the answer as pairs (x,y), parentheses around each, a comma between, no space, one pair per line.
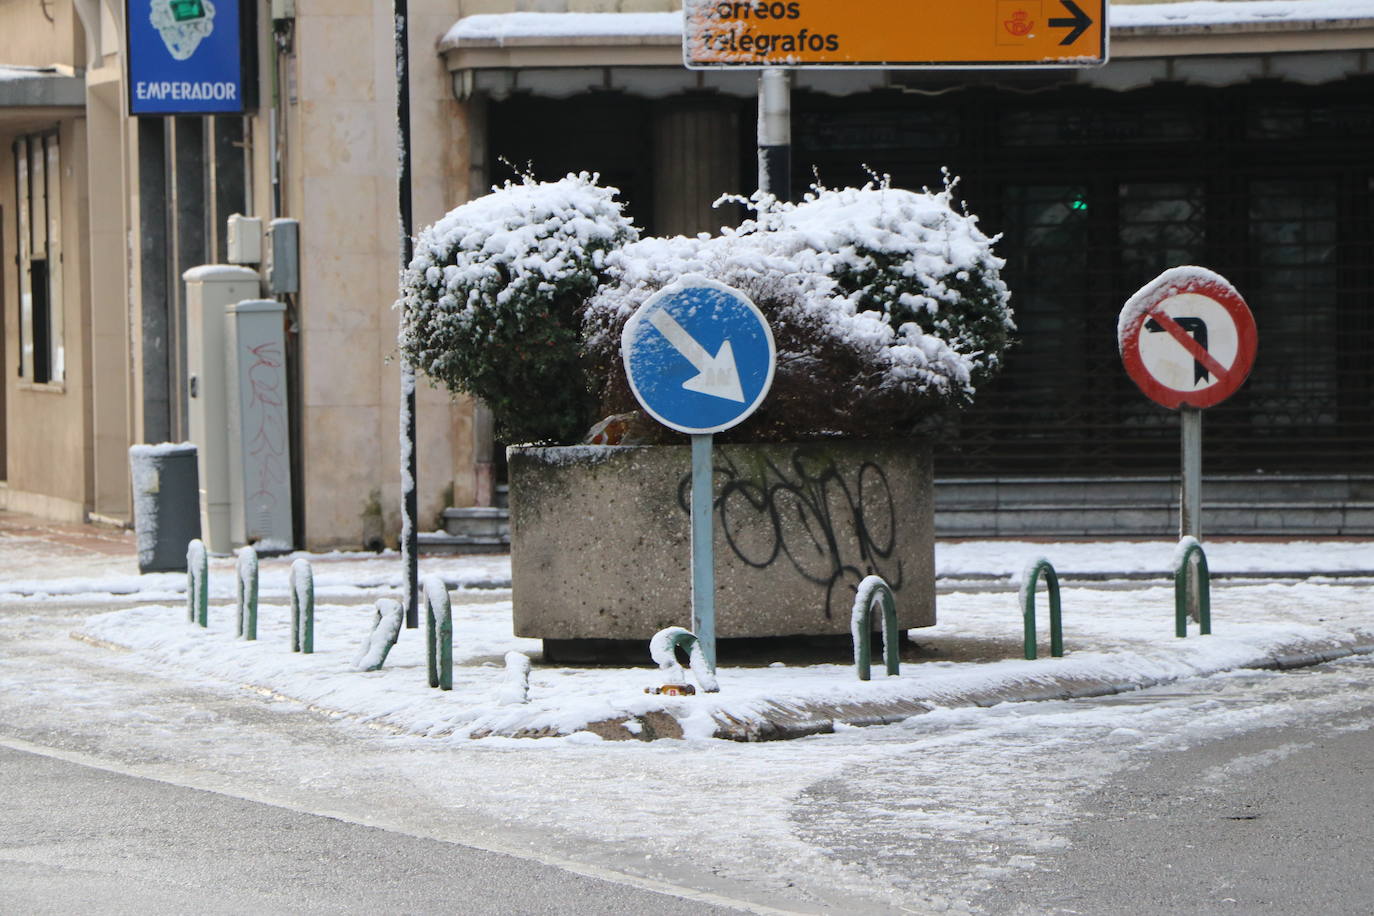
(600,537)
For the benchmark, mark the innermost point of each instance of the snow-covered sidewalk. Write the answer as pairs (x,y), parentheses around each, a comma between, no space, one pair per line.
(1115,639)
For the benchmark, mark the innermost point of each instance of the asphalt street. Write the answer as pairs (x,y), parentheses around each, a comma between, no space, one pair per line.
(130,791)
(78,838)
(1276,820)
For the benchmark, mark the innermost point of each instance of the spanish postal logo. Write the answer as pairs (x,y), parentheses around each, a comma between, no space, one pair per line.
(1020,24)
(183,24)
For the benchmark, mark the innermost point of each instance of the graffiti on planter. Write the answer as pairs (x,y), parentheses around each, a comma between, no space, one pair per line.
(832,531)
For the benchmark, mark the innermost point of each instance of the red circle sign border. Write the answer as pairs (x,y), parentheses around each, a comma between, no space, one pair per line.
(1216,288)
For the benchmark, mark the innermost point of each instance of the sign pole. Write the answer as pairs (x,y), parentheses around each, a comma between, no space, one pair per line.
(1190,489)
(699,357)
(775,133)
(409,459)
(703,548)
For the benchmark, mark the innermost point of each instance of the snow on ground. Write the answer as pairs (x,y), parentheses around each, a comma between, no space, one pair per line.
(1008,558)
(918,817)
(26,576)
(1113,636)
(337,575)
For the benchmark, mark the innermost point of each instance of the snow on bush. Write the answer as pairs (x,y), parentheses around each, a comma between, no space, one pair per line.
(886,307)
(492,301)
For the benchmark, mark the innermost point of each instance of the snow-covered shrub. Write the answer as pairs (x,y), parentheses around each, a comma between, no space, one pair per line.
(492,301)
(886,307)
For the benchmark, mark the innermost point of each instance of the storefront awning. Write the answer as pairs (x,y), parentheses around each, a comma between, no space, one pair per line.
(1207,42)
(38,95)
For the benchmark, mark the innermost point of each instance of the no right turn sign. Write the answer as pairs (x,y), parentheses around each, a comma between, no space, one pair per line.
(1187,338)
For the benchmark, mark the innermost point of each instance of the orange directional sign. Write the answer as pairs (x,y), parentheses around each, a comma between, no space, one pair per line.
(895,33)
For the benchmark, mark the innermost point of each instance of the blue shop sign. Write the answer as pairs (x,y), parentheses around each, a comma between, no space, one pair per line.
(186,57)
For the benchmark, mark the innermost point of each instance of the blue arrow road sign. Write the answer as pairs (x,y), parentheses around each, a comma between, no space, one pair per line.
(699,356)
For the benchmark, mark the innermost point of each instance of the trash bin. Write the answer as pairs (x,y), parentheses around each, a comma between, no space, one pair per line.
(166,504)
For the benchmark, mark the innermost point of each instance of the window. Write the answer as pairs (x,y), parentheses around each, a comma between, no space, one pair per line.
(38,178)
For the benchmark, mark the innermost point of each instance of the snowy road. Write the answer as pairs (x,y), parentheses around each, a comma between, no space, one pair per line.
(961,810)
(145,848)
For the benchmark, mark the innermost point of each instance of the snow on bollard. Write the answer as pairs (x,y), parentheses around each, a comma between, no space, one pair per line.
(873,590)
(197,583)
(516,687)
(386,629)
(438,633)
(247,593)
(1029,577)
(1189,556)
(302,606)
(663,650)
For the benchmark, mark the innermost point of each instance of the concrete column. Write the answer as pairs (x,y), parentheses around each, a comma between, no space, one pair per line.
(110,311)
(483,453)
(230,171)
(189,243)
(154,292)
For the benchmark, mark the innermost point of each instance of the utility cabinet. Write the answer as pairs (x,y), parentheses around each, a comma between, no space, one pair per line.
(259,440)
(210,290)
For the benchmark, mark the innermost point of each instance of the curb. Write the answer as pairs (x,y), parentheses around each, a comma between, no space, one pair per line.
(773,720)
(782,722)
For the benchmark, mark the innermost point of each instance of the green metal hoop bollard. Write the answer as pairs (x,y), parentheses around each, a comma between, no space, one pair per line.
(247,593)
(302,606)
(197,583)
(873,590)
(1188,548)
(663,650)
(515,688)
(1028,582)
(381,635)
(438,633)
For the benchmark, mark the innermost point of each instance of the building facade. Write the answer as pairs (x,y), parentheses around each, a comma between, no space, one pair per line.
(1220,135)
(103,212)
(1241,142)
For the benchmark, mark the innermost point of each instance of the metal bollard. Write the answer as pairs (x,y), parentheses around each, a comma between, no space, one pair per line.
(302,606)
(385,630)
(873,590)
(438,633)
(197,583)
(515,689)
(1028,581)
(247,593)
(1188,548)
(663,650)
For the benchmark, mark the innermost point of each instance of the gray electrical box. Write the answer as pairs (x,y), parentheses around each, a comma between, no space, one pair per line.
(244,239)
(259,427)
(210,290)
(283,274)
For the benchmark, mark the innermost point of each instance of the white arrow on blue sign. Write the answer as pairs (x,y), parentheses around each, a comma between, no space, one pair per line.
(699,356)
